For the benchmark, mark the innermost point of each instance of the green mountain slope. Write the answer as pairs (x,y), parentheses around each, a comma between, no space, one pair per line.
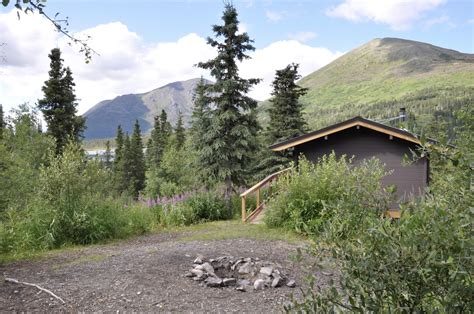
(377,78)
(103,118)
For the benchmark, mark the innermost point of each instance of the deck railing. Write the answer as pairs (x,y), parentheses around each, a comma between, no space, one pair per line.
(260,203)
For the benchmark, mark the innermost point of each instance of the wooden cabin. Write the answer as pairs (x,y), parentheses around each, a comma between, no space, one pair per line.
(363,139)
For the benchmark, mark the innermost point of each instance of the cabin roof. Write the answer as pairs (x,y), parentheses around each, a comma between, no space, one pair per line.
(356,121)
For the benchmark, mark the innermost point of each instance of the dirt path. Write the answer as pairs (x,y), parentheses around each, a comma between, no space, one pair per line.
(144,274)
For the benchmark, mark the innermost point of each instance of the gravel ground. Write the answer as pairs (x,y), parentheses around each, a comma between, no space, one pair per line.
(145,274)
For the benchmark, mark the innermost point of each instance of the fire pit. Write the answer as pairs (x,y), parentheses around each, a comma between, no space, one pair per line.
(243,274)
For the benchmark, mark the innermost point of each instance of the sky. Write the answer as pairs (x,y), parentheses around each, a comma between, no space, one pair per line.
(145,44)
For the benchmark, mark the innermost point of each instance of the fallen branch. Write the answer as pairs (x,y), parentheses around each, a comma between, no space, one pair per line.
(36,286)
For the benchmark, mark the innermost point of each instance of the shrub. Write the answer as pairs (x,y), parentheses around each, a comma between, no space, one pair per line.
(315,196)
(420,263)
(71,206)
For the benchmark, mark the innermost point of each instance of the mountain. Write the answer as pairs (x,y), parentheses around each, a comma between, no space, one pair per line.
(104,117)
(374,80)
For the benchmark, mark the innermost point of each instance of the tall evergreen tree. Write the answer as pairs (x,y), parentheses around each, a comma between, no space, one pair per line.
(137,161)
(107,156)
(200,123)
(59,103)
(286,118)
(119,141)
(119,162)
(154,151)
(230,139)
(158,139)
(180,132)
(2,122)
(165,127)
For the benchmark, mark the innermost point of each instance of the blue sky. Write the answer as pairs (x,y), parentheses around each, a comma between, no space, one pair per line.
(145,44)
(449,24)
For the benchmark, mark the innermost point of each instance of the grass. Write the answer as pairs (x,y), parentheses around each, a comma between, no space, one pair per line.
(234,229)
(217,230)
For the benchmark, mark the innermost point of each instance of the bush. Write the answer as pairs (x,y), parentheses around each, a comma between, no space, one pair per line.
(71,206)
(420,263)
(315,196)
(189,208)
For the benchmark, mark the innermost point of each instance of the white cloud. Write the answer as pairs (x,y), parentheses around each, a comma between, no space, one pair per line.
(399,14)
(441,20)
(274,16)
(303,36)
(470,21)
(278,55)
(127,64)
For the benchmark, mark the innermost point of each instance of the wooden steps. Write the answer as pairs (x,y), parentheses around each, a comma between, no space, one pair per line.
(256,215)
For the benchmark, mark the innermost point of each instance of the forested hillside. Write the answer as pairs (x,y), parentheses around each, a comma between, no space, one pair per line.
(377,78)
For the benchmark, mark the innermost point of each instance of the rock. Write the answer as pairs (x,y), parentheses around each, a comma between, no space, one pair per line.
(259,284)
(326,273)
(291,284)
(208,268)
(139,292)
(197,272)
(267,271)
(213,282)
(199,267)
(229,282)
(198,260)
(245,268)
(201,278)
(276,282)
(244,282)
(189,274)
(240,288)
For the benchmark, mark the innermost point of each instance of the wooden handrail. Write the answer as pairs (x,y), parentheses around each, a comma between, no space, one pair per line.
(263,182)
(256,188)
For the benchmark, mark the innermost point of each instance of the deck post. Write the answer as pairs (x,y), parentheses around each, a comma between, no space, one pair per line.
(244,210)
(258,198)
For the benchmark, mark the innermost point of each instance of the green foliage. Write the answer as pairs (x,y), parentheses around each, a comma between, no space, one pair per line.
(286,119)
(180,135)
(59,103)
(315,196)
(228,144)
(23,151)
(71,206)
(136,163)
(2,122)
(175,173)
(420,263)
(200,125)
(107,156)
(196,208)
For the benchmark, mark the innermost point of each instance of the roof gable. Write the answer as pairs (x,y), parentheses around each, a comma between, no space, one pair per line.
(354,122)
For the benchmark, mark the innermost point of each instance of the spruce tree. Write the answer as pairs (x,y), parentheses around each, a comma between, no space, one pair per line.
(286,118)
(137,161)
(180,132)
(107,156)
(119,163)
(230,139)
(165,128)
(154,151)
(59,103)
(2,122)
(200,123)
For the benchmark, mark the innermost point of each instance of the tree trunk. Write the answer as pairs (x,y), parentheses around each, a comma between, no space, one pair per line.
(228,195)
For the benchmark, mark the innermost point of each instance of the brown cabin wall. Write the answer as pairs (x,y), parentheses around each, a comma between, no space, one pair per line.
(363,144)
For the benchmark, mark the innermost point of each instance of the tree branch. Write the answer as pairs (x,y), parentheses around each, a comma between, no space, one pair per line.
(36,286)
